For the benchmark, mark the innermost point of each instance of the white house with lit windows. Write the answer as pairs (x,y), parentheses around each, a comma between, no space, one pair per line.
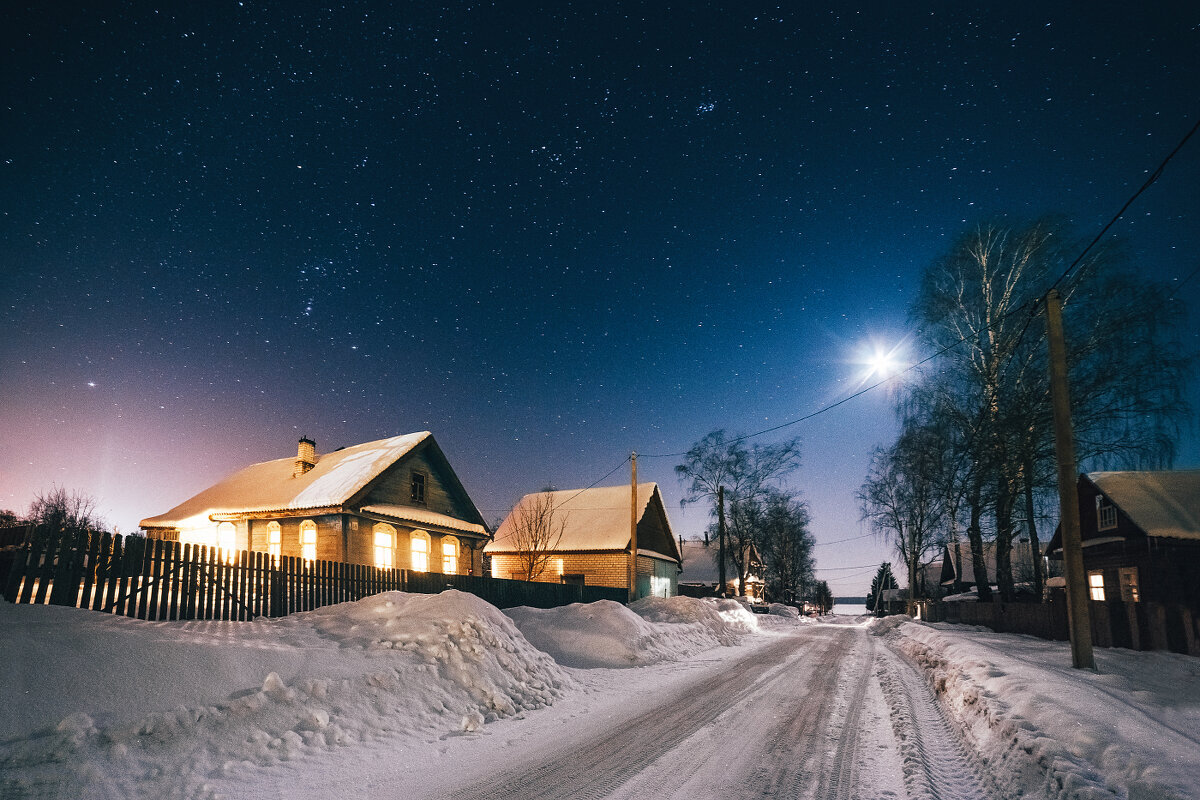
(391,503)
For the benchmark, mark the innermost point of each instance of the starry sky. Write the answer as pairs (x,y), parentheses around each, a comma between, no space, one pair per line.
(552,233)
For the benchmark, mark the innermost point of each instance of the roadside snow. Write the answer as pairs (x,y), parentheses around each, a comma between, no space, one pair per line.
(1130,729)
(398,693)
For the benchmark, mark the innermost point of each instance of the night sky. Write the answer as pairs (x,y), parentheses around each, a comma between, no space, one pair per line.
(551,234)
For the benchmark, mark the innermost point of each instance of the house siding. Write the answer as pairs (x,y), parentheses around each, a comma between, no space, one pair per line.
(599,568)
(350,538)
(331,544)
(394,487)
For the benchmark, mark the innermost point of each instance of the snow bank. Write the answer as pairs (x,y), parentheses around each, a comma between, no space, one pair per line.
(104,706)
(607,634)
(1131,729)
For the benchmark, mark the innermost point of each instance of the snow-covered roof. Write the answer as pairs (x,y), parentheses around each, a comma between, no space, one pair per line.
(1163,504)
(422,517)
(593,519)
(270,485)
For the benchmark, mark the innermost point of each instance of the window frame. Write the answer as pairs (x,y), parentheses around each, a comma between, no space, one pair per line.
(1131,590)
(274,541)
(417,485)
(305,527)
(1095,584)
(424,553)
(1106,514)
(449,542)
(388,549)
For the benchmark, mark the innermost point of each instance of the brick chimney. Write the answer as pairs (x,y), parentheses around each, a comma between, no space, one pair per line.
(306,457)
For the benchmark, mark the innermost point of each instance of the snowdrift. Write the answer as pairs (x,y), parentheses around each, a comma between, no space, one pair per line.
(396,663)
(654,629)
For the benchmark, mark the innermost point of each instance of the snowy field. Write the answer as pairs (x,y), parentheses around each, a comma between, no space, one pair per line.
(411,696)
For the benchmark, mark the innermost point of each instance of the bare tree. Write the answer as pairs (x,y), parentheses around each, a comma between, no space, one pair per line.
(535,530)
(747,475)
(900,500)
(62,510)
(1128,369)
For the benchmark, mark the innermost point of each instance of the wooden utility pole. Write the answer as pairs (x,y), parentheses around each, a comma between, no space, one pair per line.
(1078,617)
(633,519)
(721,541)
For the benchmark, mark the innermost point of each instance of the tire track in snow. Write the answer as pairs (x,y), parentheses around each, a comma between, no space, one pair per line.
(936,764)
(840,780)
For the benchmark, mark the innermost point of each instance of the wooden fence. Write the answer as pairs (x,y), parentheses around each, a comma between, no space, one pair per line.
(151,579)
(1137,626)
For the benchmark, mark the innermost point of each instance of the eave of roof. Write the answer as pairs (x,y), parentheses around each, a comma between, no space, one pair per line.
(423,517)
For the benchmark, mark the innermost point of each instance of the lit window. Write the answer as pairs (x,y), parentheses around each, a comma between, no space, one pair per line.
(274,541)
(449,555)
(418,487)
(226,536)
(385,541)
(1106,515)
(1129,584)
(308,540)
(420,551)
(1096,585)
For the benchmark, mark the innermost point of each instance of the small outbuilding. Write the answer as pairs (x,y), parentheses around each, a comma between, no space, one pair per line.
(701,576)
(587,540)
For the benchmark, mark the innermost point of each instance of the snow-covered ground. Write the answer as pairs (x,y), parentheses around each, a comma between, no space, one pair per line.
(409,696)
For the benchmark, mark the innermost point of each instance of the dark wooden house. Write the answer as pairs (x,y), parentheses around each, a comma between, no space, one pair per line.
(1141,536)
(394,503)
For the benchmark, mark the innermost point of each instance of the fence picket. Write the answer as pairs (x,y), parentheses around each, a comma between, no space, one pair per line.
(172,567)
(131,556)
(50,558)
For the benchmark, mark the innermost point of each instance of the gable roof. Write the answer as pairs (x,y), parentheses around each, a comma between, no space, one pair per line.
(337,478)
(1163,503)
(593,519)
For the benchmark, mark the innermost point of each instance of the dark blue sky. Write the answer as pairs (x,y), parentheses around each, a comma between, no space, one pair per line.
(549,234)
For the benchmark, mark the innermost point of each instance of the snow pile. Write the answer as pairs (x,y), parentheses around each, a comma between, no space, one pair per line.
(1130,729)
(607,634)
(415,665)
(726,620)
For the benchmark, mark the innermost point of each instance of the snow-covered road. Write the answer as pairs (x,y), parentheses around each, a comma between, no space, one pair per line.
(819,711)
(406,697)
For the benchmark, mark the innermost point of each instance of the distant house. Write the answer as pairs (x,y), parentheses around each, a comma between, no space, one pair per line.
(701,577)
(393,503)
(1141,536)
(954,571)
(594,546)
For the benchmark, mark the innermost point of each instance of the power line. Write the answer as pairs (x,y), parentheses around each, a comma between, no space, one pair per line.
(1154,176)
(1032,305)
(839,541)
